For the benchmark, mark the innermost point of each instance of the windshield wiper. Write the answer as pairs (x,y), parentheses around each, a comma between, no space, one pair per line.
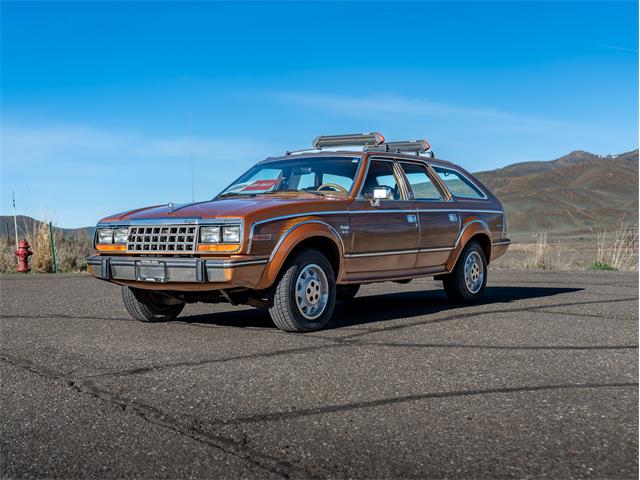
(235,194)
(313,192)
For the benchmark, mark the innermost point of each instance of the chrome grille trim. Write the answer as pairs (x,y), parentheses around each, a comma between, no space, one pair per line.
(162,238)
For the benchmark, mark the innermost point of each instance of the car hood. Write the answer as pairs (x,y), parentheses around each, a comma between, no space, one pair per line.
(250,208)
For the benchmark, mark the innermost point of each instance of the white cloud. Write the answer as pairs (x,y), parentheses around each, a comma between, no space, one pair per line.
(73,144)
(28,145)
(386,106)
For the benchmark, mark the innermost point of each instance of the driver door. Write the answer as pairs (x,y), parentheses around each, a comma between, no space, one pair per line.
(384,233)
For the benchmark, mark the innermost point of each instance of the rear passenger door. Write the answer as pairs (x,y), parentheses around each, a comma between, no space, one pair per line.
(384,234)
(439,225)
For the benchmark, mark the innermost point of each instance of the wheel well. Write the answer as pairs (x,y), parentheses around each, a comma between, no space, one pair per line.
(485,243)
(326,246)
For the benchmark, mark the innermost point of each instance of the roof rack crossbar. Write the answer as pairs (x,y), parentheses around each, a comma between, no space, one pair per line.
(417,146)
(358,139)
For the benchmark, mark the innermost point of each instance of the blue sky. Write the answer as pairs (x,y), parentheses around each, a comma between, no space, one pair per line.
(96,96)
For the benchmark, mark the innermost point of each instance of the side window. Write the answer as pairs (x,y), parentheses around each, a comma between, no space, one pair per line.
(420,182)
(458,184)
(381,174)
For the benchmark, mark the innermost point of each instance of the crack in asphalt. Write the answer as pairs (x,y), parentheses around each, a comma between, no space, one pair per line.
(275,353)
(410,398)
(157,417)
(588,315)
(64,316)
(498,347)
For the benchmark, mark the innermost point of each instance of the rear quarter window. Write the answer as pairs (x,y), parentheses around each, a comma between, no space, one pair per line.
(458,184)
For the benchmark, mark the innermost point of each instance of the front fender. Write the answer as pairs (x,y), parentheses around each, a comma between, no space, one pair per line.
(293,237)
(471,228)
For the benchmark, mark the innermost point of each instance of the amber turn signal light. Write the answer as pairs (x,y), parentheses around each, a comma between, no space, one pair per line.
(111,248)
(221,247)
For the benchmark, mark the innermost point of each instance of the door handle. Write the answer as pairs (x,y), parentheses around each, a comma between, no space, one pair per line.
(412,219)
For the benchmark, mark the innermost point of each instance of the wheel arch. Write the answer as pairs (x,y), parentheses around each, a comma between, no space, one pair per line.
(475,230)
(309,234)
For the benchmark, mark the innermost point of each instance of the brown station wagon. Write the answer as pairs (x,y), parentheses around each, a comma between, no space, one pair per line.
(297,232)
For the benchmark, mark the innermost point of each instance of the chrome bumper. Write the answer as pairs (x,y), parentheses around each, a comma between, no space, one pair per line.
(181,270)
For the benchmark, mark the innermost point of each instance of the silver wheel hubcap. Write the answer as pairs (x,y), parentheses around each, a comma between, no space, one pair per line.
(473,272)
(312,291)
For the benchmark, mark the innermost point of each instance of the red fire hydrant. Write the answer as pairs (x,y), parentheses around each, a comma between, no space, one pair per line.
(23,253)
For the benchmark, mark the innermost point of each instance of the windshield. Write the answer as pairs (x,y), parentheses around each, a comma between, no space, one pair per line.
(315,175)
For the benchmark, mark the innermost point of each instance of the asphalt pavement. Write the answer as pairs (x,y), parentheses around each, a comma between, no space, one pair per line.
(540,380)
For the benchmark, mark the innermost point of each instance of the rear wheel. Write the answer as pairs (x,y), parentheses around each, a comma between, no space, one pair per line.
(346,292)
(148,306)
(304,296)
(467,282)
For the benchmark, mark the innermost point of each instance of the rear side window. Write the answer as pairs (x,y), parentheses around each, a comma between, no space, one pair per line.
(420,182)
(458,184)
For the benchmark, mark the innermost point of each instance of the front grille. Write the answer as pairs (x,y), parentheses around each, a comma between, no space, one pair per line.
(163,238)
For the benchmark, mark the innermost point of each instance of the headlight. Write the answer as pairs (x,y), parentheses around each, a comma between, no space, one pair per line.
(120,235)
(105,235)
(231,234)
(209,234)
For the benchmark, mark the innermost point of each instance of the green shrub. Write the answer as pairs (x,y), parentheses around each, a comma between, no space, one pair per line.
(599,265)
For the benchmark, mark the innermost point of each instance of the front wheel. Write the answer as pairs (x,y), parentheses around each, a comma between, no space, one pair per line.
(467,282)
(148,306)
(304,296)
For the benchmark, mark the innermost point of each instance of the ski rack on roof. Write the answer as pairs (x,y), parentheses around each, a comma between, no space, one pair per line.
(351,140)
(413,146)
(370,142)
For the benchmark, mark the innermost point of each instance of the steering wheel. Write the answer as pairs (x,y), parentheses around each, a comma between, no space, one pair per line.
(335,186)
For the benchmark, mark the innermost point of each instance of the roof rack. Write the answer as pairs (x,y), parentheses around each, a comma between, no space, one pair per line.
(371,142)
(357,139)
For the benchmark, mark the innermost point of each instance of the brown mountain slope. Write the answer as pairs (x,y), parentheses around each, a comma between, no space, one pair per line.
(577,192)
(27,226)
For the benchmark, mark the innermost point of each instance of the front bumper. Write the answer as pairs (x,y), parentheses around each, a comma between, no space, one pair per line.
(225,273)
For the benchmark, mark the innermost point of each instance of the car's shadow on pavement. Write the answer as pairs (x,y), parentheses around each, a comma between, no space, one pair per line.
(392,306)
(366,309)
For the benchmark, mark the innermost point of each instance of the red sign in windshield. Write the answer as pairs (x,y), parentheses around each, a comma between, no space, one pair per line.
(261,185)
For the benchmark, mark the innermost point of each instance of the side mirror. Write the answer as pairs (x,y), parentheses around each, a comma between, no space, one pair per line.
(380,193)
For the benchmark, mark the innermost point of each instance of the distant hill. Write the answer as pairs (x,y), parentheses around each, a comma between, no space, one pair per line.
(28,225)
(577,192)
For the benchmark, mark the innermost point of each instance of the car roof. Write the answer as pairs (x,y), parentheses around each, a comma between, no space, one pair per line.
(359,153)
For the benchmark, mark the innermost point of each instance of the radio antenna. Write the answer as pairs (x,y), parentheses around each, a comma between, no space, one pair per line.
(193,199)
(15,221)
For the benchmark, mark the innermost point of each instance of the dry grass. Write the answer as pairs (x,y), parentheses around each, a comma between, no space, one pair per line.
(619,252)
(71,252)
(546,256)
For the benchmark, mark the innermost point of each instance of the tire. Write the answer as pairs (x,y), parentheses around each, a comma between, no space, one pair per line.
(148,306)
(304,296)
(467,287)
(347,292)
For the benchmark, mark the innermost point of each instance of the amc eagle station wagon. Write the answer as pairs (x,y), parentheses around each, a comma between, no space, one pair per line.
(296,232)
